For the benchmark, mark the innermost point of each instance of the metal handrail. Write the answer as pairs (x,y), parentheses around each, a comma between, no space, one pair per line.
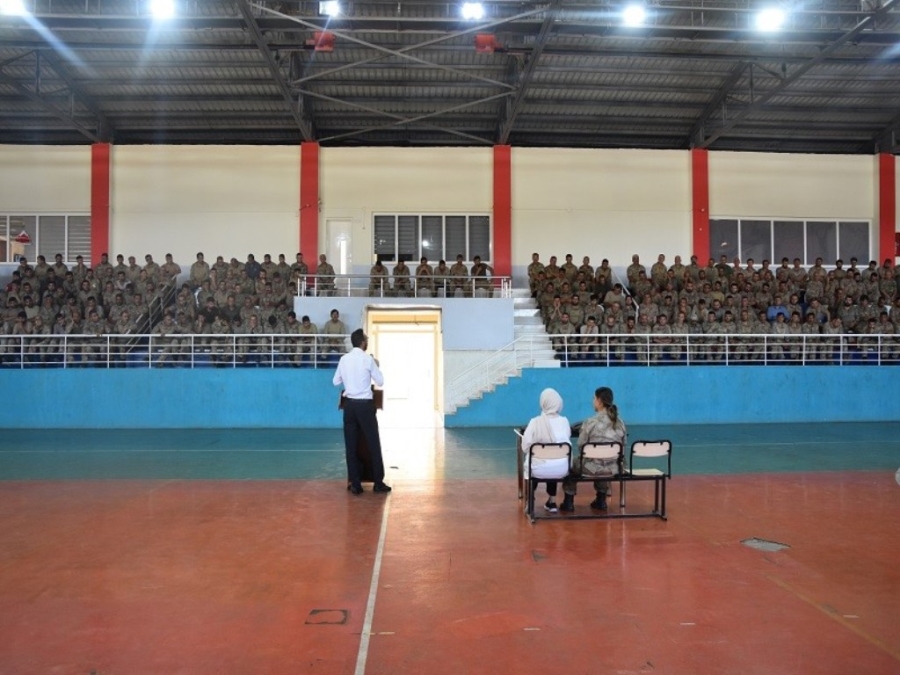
(192,350)
(328,285)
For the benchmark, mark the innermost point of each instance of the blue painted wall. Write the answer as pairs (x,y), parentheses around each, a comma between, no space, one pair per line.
(289,398)
(700,395)
(169,398)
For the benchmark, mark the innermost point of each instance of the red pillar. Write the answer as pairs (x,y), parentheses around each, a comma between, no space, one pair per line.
(309,203)
(700,203)
(99,201)
(502,210)
(887,206)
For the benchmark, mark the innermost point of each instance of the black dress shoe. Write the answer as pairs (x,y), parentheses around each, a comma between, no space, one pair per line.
(355,488)
(381,487)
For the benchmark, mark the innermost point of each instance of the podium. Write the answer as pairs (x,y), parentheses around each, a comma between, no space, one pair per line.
(362,448)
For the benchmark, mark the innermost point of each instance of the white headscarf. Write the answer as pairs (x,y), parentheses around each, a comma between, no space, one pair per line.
(551,406)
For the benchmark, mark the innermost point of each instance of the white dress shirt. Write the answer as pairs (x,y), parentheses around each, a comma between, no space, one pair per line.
(357,371)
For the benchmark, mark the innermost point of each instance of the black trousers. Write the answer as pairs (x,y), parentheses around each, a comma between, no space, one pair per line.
(360,422)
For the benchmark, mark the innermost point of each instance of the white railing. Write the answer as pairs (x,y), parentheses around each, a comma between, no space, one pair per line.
(726,349)
(364,285)
(505,362)
(184,350)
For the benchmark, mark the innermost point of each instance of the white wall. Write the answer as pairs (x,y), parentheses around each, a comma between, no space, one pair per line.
(601,203)
(45,178)
(792,186)
(354,183)
(222,200)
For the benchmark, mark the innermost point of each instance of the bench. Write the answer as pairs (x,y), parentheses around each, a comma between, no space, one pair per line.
(647,461)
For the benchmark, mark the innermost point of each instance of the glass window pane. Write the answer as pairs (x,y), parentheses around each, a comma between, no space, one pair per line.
(723,239)
(408,237)
(385,245)
(79,237)
(756,240)
(433,238)
(854,240)
(480,237)
(821,242)
(788,240)
(28,224)
(52,237)
(456,238)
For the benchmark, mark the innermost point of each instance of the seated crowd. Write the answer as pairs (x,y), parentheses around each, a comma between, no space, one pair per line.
(589,306)
(458,280)
(224,299)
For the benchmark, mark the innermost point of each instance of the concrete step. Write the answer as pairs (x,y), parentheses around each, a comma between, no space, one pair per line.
(546,363)
(527,320)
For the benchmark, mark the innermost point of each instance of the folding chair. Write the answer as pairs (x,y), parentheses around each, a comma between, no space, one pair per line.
(543,451)
(644,453)
(606,451)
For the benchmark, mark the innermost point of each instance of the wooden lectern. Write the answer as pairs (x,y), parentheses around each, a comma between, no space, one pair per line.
(362,448)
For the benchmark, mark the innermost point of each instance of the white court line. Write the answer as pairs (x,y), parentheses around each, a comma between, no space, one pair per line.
(373,591)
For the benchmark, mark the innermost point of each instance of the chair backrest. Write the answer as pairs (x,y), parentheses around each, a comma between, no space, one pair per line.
(652,449)
(550,450)
(611,450)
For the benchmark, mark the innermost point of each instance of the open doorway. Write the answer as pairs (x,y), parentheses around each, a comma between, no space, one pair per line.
(407,342)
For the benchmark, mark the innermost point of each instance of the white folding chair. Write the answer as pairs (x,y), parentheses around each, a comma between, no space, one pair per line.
(606,451)
(651,460)
(543,451)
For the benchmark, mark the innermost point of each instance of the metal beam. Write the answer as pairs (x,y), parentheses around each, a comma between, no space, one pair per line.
(69,119)
(260,40)
(718,100)
(385,50)
(512,109)
(104,127)
(480,28)
(797,74)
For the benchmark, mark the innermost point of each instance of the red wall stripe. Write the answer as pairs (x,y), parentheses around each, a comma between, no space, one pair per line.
(502,210)
(700,203)
(887,205)
(309,203)
(99,200)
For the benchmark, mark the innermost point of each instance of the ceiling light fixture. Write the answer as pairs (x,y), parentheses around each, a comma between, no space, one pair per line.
(12,7)
(472,11)
(330,8)
(162,9)
(634,16)
(770,20)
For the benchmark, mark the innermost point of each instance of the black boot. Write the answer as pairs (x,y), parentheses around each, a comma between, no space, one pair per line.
(600,502)
(568,504)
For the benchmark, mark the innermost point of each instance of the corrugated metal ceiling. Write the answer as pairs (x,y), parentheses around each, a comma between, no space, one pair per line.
(558,73)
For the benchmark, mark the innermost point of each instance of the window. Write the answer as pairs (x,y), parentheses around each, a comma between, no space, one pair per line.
(437,237)
(777,239)
(69,235)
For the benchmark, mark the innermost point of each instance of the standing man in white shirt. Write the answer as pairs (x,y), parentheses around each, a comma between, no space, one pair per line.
(357,371)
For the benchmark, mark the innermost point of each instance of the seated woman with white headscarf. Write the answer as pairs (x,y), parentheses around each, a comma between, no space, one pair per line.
(548,427)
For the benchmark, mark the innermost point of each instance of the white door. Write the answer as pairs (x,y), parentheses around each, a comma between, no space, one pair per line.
(409,354)
(338,232)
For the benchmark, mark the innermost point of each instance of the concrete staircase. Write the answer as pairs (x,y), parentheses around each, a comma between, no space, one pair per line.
(530,349)
(528,323)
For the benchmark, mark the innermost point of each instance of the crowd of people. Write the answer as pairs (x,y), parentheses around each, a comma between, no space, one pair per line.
(788,312)
(428,281)
(105,304)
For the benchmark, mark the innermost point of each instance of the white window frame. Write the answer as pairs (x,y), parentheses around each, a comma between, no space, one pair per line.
(7,235)
(448,256)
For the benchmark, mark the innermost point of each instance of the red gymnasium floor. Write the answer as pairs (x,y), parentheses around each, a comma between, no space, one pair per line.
(114,577)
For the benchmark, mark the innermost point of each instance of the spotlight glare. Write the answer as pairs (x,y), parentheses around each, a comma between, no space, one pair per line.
(162,9)
(472,11)
(770,20)
(634,15)
(12,7)
(330,8)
